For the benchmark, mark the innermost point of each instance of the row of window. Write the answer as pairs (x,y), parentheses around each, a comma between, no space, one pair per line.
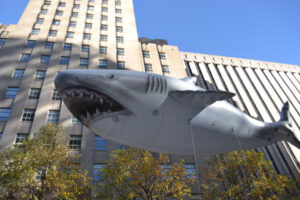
(64,60)
(86,36)
(28,115)
(190,171)
(34,93)
(63,4)
(149,68)
(67,47)
(162,55)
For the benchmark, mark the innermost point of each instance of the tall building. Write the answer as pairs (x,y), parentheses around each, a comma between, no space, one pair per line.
(54,35)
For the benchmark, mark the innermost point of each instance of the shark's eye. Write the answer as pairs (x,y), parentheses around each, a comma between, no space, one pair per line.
(111,76)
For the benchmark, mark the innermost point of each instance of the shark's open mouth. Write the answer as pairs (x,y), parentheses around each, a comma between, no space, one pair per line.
(86,104)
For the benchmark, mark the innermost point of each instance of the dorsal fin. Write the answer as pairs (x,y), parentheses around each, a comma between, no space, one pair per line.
(200,99)
(190,80)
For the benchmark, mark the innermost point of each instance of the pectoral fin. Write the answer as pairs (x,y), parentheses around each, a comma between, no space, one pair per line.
(200,99)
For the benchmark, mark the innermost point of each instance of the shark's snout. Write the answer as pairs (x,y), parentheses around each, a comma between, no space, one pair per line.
(69,78)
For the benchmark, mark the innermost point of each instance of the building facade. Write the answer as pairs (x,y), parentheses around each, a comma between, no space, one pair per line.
(55,35)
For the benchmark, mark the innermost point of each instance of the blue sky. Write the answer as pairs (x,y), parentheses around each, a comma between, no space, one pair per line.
(266,30)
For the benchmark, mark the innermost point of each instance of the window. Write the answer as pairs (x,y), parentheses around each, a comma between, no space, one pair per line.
(76,6)
(52,33)
(102,64)
(34,93)
(118,3)
(85,48)
(4,114)
(0,136)
(103,27)
(11,93)
(28,115)
(86,36)
(121,65)
(165,69)
(89,16)
(91,0)
(20,139)
(88,26)
(55,96)
(75,142)
(120,39)
(75,120)
(118,19)
(18,74)
(119,29)
(30,44)
(90,8)
(120,51)
(2,41)
(47,3)
(25,57)
(162,55)
(104,17)
(105,2)
(72,24)
(49,45)
(100,143)
(146,54)
(56,22)
(39,75)
(190,170)
(118,11)
(44,11)
(104,9)
(84,62)
(98,173)
(59,13)
(103,38)
(62,4)
(45,59)
(103,50)
(70,34)
(39,21)
(74,14)
(64,60)
(67,47)
(53,116)
(35,31)
(148,68)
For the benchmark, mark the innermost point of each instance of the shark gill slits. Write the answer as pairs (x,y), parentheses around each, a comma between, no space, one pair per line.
(86,104)
(156,84)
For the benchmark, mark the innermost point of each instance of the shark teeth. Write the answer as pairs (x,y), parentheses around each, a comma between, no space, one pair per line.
(87,105)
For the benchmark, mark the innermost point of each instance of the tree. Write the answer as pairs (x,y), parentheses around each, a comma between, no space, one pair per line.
(136,174)
(243,175)
(41,169)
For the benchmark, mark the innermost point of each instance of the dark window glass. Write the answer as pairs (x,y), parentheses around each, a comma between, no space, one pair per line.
(34,93)
(103,50)
(39,75)
(28,115)
(75,142)
(2,41)
(4,114)
(121,65)
(102,64)
(24,57)
(11,93)
(49,45)
(18,74)
(53,116)
(85,48)
(67,47)
(64,60)
(30,44)
(45,59)
(148,68)
(84,62)
(100,143)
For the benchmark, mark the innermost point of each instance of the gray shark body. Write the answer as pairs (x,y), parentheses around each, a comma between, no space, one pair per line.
(164,114)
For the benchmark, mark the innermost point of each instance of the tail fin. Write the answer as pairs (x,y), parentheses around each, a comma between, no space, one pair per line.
(286,122)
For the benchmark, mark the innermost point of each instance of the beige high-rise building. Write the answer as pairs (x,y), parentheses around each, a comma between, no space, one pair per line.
(54,35)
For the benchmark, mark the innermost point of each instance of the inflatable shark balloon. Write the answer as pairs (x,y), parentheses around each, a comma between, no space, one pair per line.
(164,114)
